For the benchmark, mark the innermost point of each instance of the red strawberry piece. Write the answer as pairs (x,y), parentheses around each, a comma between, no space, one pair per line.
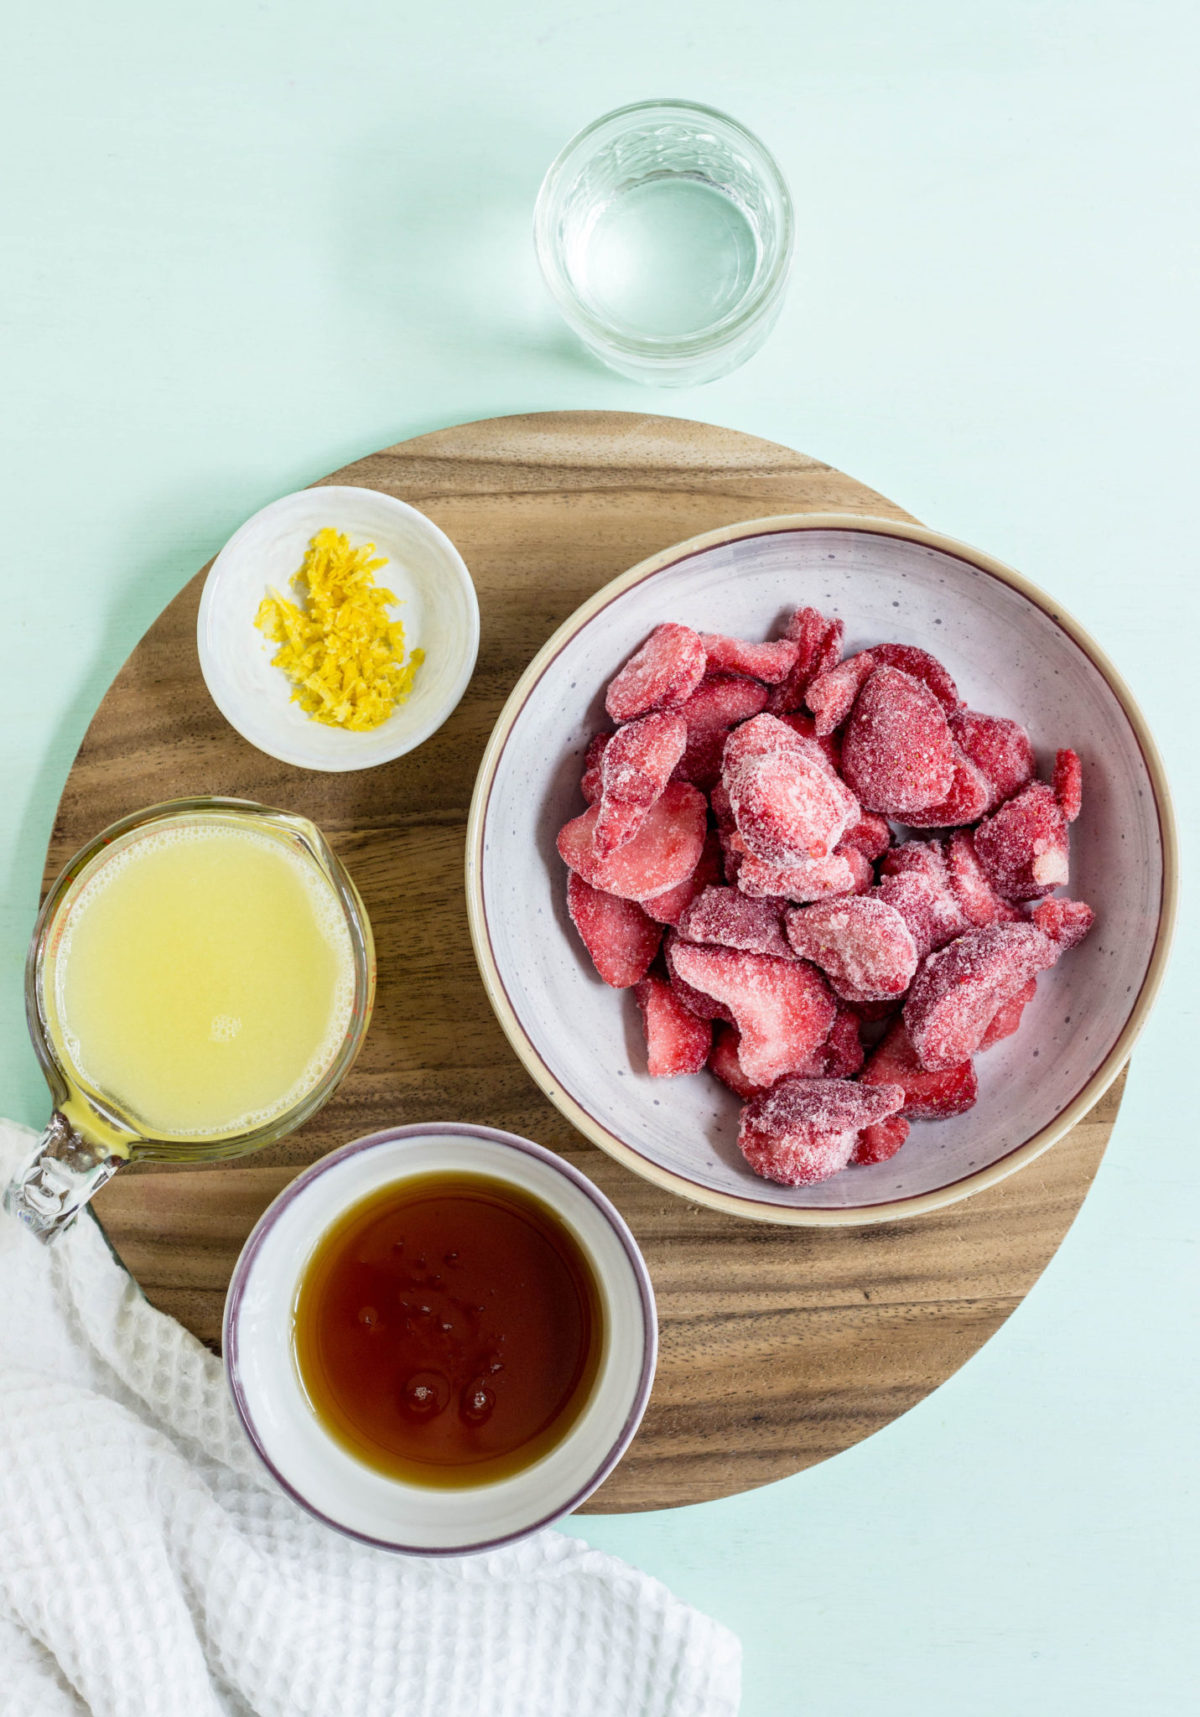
(876,1144)
(725,1063)
(634,770)
(816,879)
(1065,922)
(959,990)
(767,662)
(618,935)
(897,753)
(820,642)
(669,907)
(719,801)
(842,1053)
(782,1008)
(970,886)
(1024,846)
(721,701)
(701,760)
(927,857)
(827,748)
(871,835)
(805,1130)
(860,864)
(787,806)
(1000,749)
(831,695)
(661,675)
(1068,783)
(727,917)
(665,850)
(969,797)
(862,945)
(1007,1020)
(928,907)
(927,1096)
(676,1041)
(591,785)
(922,666)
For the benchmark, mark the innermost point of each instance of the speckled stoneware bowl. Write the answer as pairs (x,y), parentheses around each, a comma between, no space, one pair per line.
(1013,652)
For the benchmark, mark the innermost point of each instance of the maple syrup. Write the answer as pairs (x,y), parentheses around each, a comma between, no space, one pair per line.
(448,1329)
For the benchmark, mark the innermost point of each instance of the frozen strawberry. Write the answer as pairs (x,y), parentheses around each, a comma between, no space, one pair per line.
(970,886)
(725,1063)
(805,1130)
(701,760)
(1000,749)
(618,935)
(668,908)
(842,1053)
(634,770)
(927,906)
(721,701)
(676,1041)
(665,850)
(831,695)
(860,864)
(1007,1019)
(897,753)
(786,805)
(820,642)
(959,990)
(863,946)
(825,747)
(1068,783)
(816,879)
(591,785)
(871,835)
(927,1096)
(727,917)
(661,675)
(719,801)
(782,1008)
(876,1144)
(922,666)
(769,663)
(969,797)
(1065,922)
(926,857)
(1024,846)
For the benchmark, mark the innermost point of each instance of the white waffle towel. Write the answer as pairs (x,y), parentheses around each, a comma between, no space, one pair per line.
(149,1568)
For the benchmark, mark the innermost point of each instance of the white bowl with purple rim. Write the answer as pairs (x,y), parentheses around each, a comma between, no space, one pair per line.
(1013,652)
(314,1469)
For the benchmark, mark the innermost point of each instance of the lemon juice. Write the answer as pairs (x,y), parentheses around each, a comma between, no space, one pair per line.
(201,978)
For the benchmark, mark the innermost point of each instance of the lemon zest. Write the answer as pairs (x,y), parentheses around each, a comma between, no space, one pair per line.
(338,646)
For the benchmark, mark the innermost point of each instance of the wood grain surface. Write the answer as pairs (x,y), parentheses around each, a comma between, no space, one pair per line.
(780,1347)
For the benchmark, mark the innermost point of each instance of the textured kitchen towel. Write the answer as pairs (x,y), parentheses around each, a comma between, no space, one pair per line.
(149,1568)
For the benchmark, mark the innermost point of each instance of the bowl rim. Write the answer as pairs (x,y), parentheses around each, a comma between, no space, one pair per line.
(761,1210)
(441,1129)
(297,756)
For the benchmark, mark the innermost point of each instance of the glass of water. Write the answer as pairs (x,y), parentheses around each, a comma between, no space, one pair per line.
(664,231)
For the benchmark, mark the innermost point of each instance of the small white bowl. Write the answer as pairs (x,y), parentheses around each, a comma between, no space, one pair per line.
(324,1477)
(435,600)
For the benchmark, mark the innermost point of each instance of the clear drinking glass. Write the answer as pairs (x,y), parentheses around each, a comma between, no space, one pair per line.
(91,1133)
(664,231)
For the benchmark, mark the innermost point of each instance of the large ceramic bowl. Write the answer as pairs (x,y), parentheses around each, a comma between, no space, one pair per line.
(1013,652)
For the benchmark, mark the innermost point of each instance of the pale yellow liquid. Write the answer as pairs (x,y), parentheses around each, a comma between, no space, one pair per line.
(204,981)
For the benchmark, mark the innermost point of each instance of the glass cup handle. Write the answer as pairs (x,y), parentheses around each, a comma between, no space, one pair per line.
(51,1188)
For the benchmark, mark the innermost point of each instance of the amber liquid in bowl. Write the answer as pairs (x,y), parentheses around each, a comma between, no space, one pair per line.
(448,1330)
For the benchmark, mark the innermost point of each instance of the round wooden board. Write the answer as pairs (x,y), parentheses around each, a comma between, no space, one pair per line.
(780,1347)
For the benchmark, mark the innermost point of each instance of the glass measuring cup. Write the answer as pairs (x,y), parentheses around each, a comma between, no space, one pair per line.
(100,1119)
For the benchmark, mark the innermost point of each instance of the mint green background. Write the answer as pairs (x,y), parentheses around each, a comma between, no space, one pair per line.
(246,242)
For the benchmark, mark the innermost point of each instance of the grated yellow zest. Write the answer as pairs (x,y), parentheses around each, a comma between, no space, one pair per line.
(338,647)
